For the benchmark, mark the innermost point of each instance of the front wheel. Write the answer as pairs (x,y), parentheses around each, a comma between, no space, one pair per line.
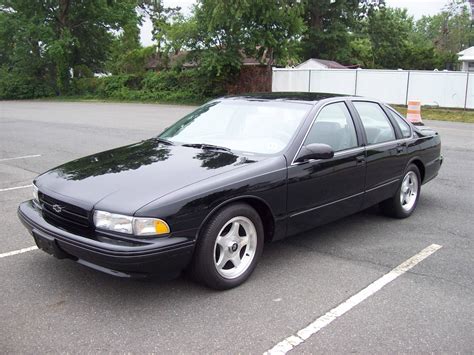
(229,247)
(403,204)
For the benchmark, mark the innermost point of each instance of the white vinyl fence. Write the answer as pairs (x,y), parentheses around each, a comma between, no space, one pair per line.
(436,88)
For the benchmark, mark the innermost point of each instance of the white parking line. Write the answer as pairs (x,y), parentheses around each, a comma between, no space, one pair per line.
(23,157)
(19,251)
(293,341)
(15,188)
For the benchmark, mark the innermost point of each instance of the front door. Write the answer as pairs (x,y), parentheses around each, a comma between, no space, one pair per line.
(320,191)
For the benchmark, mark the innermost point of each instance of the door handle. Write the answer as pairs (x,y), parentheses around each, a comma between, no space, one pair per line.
(360,159)
(401,147)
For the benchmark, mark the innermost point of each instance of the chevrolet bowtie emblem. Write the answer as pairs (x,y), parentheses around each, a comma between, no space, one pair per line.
(57,208)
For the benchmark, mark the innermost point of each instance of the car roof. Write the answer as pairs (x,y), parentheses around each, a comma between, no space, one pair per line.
(306,97)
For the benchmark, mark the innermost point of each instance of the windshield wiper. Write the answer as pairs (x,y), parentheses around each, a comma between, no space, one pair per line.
(164,141)
(207,146)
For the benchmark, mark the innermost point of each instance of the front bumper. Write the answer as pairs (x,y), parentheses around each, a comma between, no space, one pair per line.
(160,256)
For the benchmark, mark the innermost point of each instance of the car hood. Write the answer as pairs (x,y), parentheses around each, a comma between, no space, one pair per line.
(124,179)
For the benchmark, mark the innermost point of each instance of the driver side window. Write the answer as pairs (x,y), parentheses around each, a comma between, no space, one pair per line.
(334,127)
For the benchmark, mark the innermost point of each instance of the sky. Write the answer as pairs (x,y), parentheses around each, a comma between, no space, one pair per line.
(416,8)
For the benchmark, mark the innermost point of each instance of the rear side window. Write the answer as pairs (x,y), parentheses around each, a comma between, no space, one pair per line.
(404,127)
(376,123)
(334,127)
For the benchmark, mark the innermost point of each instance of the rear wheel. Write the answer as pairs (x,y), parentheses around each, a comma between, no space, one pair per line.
(403,204)
(229,247)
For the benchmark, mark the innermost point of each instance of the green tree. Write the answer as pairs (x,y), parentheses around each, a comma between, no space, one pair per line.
(161,17)
(331,27)
(226,31)
(62,38)
(389,30)
(449,32)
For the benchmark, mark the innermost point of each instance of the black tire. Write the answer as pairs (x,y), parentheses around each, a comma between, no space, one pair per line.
(393,207)
(203,268)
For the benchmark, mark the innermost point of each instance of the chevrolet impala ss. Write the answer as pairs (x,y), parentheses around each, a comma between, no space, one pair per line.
(206,194)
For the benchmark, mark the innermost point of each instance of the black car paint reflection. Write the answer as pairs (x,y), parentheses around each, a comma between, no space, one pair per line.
(185,185)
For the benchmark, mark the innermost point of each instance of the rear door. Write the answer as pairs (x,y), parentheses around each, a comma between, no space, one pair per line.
(385,152)
(323,190)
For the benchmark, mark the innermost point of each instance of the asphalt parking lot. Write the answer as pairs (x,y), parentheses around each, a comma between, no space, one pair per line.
(48,305)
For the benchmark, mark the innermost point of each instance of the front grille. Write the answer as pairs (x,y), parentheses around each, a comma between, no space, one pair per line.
(63,214)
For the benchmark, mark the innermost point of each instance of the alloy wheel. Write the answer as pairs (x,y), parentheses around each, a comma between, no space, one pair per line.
(235,247)
(409,191)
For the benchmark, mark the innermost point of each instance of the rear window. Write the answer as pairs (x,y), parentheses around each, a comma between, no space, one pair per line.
(404,126)
(377,126)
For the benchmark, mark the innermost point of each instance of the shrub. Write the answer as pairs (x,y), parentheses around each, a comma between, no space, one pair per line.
(85,86)
(15,85)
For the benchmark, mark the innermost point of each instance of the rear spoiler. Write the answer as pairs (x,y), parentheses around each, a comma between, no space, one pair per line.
(424,131)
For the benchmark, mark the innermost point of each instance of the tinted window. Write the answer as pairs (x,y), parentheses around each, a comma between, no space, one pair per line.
(376,124)
(334,127)
(404,127)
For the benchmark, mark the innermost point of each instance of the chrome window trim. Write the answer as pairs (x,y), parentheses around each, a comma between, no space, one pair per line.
(351,150)
(401,140)
(336,154)
(311,126)
(348,151)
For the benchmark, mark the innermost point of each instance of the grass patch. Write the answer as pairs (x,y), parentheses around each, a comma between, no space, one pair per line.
(442,114)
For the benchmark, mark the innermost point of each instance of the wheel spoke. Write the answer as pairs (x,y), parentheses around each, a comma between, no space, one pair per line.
(221,242)
(405,186)
(223,259)
(243,241)
(234,229)
(236,260)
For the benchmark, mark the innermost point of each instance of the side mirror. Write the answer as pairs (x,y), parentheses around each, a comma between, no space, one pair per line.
(315,151)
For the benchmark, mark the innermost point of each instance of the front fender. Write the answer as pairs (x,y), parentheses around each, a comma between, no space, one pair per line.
(189,207)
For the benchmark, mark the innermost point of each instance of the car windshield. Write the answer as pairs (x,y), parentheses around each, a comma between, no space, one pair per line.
(260,127)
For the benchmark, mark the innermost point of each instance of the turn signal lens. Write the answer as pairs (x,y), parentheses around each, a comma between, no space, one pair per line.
(161,227)
(35,194)
(150,226)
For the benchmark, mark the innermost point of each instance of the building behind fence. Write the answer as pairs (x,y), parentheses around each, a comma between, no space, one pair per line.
(435,88)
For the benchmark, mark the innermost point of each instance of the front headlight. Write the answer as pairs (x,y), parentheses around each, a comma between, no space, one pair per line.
(130,225)
(113,222)
(35,194)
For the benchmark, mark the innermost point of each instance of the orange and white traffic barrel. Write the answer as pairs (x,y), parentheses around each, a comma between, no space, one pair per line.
(414,112)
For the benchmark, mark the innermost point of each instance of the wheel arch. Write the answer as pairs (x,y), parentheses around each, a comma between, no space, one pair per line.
(419,164)
(259,204)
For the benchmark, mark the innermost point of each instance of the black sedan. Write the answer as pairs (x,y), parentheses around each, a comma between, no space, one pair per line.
(208,192)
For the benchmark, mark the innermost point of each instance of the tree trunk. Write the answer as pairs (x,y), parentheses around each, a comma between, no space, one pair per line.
(63,16)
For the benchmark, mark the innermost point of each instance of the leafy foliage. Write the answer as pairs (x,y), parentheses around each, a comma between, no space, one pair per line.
(188,86)
(58,47)
(330,24)
(49,39)
(226,31)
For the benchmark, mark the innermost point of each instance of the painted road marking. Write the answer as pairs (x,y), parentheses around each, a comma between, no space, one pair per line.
(293,341)
(15,188)
(19,251)
(23,157)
